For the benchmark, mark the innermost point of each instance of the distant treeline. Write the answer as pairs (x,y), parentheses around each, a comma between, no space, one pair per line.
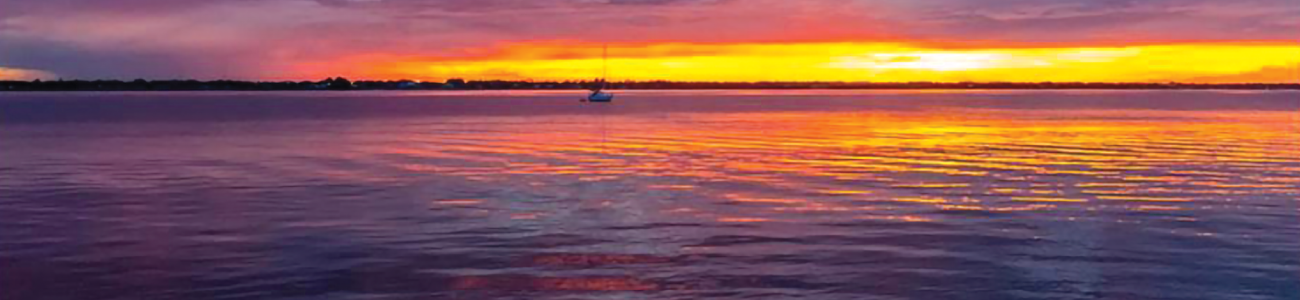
(460,84)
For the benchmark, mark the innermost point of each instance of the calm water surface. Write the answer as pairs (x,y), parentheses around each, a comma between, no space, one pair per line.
(664,195)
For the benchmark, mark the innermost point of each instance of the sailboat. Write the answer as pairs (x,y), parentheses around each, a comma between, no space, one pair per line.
(597,93)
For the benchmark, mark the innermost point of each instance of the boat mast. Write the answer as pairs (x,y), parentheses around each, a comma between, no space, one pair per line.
(604,67)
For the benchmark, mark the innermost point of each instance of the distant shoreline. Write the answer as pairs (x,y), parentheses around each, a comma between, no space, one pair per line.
(341,84)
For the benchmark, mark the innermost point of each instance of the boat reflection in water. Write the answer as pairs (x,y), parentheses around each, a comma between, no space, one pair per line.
(691,195)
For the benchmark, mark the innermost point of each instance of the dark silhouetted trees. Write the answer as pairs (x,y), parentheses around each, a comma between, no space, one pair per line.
(340,83)
(455,83)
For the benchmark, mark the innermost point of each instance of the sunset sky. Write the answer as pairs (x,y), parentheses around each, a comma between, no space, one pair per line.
(708,40)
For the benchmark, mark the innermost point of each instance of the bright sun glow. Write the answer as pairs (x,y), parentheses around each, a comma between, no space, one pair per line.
(880,62)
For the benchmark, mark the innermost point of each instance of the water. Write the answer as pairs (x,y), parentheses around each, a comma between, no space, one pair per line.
(664,195)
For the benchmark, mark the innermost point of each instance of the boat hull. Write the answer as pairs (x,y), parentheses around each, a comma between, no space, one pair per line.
(600,97)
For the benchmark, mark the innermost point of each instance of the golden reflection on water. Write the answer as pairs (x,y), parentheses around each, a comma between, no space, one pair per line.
(888,166)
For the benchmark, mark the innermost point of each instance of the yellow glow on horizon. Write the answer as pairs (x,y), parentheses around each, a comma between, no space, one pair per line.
(878,62)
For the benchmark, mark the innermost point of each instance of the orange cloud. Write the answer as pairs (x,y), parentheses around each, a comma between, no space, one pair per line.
(23,74)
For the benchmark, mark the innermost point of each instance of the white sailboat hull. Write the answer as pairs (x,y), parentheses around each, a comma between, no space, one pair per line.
(600,97)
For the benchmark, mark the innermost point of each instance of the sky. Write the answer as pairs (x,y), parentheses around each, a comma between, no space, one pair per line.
(1213,41)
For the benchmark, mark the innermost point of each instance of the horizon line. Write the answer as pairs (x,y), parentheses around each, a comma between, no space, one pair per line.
(467,80)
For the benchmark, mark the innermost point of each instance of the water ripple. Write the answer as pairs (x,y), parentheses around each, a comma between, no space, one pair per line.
(855,196)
